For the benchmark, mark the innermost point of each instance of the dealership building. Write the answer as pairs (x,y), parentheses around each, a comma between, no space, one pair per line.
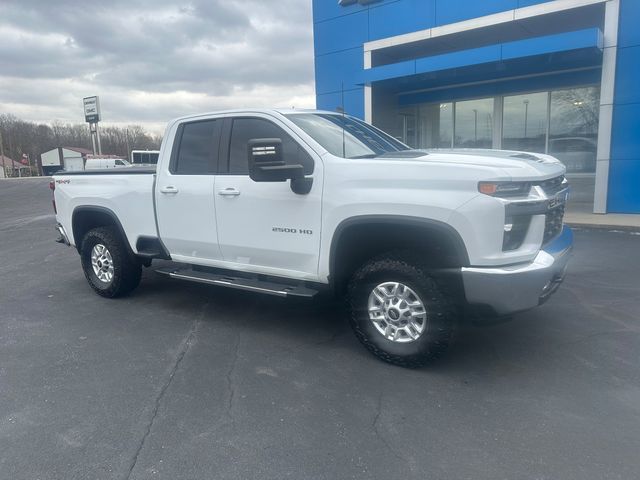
(557,77)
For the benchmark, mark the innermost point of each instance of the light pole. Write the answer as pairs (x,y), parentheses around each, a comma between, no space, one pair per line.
(526,116)
(4,168)
(475,127)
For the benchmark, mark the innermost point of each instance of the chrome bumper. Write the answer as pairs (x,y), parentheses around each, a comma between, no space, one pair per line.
(520,287)
(62,235)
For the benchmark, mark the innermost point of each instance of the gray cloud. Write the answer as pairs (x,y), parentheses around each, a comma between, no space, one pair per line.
(150,60)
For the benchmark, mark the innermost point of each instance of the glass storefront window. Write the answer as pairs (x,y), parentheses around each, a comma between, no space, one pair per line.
(525,122)
(474,123)
(563,123)
(408,126)
(574,128)
(436,125)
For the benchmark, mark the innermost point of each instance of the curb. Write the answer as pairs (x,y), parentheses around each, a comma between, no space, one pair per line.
(608,227)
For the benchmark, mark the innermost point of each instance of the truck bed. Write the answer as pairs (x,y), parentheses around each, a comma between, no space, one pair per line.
(124,193)
(111,171)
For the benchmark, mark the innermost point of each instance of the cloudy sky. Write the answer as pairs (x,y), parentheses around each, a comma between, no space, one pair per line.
(152,60)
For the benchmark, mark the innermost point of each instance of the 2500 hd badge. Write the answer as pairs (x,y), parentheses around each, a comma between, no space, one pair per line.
(301,231)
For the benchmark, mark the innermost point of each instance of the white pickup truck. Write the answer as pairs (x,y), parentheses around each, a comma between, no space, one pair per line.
(293,202)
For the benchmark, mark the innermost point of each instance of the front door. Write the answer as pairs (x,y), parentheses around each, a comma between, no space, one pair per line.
(185,193)
(265,226)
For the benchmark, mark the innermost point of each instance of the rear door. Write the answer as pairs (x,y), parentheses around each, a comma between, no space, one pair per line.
(184,193)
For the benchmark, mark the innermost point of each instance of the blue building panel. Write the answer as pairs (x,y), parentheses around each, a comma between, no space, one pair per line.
(627,75)
(340,70)
(528,3)
(590,37)
(534,47)
(629,33)
(625,136)
(624,170)
(448,11)
(472,56)
(401,17)
(395,70)
(327,9)
(353,102)
(341,33)
(624,186)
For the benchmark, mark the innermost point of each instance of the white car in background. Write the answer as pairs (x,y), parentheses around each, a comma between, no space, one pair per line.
(100,163)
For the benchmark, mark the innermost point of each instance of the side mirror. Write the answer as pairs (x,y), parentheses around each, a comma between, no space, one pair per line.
(266,162)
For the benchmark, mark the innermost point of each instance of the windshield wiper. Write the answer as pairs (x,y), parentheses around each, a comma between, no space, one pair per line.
(368,155)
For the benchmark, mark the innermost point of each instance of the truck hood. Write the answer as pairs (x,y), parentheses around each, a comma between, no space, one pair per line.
(515,164)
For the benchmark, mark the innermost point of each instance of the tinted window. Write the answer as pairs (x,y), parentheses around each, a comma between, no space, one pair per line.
(198,150)
(245,129)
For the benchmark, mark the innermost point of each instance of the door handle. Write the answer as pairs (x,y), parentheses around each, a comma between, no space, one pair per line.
(229,192)
(169,189)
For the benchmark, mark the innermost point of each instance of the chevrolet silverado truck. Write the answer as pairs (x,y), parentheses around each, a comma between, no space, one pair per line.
(294,202)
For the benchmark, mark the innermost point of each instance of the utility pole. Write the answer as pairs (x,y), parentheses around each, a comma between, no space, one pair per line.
(98,137)
(93,140)
(126,133)
(475,127)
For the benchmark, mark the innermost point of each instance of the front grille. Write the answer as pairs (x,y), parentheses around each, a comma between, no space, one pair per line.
(553,223)
(553,185)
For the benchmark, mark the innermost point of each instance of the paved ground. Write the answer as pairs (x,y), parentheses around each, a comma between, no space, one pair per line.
(182,381)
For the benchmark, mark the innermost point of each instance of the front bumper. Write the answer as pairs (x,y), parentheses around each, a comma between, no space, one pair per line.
(515,288)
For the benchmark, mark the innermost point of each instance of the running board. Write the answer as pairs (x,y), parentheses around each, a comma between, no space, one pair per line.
(248,284)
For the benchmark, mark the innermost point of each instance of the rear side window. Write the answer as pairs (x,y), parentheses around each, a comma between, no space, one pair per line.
(245,129)
(198,149)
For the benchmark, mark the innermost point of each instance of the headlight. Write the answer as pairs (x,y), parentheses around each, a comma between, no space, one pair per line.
(504,189)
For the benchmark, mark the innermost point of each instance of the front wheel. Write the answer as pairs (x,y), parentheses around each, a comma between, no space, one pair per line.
(398,312)
(109,267)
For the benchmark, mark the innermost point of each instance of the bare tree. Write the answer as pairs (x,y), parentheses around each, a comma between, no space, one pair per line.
(32,138)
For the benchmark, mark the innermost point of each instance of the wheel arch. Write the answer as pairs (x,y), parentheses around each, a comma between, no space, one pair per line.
(358,238)
(85,218)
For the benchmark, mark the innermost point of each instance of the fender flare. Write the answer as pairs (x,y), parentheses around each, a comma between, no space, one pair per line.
(103,211)
(434,225)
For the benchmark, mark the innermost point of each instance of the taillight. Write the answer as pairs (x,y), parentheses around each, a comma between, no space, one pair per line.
(52,185)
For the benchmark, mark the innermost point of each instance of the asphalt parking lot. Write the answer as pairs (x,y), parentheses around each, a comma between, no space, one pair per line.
(185,381)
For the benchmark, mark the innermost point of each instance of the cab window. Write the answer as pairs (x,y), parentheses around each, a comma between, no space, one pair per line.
(245,129)
(197,151)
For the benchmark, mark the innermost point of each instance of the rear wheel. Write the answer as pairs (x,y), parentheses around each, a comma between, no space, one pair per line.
(398,311)
(108,266)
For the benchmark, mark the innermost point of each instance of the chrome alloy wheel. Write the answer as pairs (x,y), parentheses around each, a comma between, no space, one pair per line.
(102,263)
(397,312)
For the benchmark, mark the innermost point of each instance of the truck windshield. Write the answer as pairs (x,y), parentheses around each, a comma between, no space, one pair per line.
(345,136)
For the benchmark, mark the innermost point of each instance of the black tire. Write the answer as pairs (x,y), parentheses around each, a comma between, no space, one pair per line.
(127,270)
(441,315)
